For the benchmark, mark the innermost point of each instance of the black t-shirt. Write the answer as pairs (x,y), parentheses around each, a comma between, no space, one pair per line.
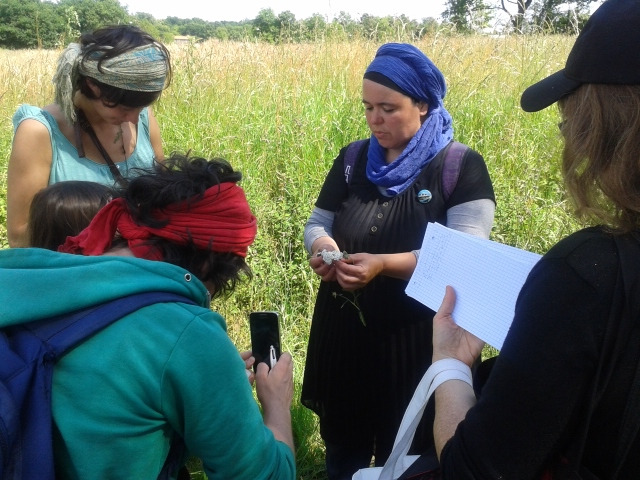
(473,183)
(534,402)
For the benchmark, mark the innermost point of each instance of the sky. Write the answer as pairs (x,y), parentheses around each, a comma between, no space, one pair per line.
(237,10)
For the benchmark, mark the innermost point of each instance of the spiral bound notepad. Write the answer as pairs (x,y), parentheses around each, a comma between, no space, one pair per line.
(486,275)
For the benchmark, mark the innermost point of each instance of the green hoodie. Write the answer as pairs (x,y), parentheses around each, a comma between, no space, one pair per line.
(119,397)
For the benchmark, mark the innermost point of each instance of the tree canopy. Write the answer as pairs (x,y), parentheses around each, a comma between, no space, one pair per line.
(48,24)
(520,16)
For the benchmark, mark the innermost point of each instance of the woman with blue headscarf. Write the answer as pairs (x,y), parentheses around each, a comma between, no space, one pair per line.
(366,350)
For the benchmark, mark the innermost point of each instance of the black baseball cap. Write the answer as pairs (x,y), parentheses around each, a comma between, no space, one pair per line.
(607,51)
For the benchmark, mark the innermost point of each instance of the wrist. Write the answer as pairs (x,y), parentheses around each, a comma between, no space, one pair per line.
(446,369)
(438,356)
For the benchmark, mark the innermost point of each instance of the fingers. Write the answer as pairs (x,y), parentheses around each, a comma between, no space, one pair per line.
(348,260)
(324,271)
(275,385)
(315,262)
(250,376)
(351,276)
(285,362)
(449,340)
(283,366)
(249,360)
(262,370)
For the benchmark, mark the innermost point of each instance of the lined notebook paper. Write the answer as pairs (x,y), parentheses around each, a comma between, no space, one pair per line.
(486,275)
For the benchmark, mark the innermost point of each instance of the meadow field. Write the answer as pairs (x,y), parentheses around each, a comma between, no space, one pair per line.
(281,113)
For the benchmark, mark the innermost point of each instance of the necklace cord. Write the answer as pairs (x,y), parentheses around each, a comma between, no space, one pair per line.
(83,123)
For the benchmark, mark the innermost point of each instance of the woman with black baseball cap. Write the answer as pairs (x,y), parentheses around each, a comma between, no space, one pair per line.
(563,398)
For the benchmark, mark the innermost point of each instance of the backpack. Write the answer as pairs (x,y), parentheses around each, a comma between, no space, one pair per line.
(450,170)
(28,353)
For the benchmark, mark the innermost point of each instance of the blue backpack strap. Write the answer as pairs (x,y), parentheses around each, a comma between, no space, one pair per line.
(451,168)
(64,332)
(350,157)
(26,406)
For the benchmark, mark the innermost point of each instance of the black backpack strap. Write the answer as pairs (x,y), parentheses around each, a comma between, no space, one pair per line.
(350,157)
(451,168)
(625,312)
(630,425)
(628,250)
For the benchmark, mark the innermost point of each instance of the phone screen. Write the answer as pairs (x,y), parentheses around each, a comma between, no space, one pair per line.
(265,333)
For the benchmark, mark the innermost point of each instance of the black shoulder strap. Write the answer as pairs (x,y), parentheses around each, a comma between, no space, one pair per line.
(350,156)
(624,313)
(83,124)
(628,250)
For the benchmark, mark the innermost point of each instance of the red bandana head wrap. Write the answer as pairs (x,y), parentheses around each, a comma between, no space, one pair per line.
(221,221)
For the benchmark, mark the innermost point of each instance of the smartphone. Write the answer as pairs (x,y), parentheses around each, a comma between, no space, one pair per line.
(265,337)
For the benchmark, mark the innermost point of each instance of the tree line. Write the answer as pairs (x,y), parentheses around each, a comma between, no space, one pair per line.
(519,16)
(45,24)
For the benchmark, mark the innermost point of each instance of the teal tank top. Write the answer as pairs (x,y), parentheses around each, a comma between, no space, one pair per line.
(67,165)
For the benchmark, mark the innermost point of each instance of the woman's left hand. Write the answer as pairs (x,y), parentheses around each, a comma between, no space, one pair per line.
(249,360)
(450,340)
(358,270)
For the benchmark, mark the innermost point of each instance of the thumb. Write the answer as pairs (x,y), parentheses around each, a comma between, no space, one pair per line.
(448,303)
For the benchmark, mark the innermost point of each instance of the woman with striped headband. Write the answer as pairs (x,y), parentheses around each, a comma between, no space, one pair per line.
(99,127)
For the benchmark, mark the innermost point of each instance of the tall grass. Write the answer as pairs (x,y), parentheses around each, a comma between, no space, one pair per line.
(280,114)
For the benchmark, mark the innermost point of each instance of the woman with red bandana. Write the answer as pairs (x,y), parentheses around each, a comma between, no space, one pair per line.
(168,370)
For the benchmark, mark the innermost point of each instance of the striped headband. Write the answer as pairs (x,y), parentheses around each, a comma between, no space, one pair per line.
(142,69)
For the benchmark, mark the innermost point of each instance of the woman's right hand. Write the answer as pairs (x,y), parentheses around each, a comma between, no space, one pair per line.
(326,272)
(275,391)
(449,340)
(274,386)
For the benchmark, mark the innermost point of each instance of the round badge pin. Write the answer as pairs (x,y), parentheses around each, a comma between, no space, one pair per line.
(424,196)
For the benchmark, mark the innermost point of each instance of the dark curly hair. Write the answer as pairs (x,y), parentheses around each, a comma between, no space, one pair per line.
(183,178)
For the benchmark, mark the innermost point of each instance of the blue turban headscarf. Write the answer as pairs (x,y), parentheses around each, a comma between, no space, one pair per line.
(407,70)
